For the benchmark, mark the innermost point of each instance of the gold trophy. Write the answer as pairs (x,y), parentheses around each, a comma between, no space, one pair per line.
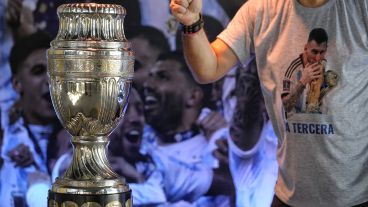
(90,65)
(313,98)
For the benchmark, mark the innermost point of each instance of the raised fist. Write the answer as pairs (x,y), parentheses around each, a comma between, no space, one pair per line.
(186,11)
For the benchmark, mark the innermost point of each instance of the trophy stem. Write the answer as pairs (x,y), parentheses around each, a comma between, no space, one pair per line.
(90,178)
(89,160)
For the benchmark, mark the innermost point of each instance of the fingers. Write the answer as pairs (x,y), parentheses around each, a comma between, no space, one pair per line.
(223,159)
(12,16)
(21,156)
(179,6)
(316,71)
(221,153)
(24,162)
(312,72)
(212,122)
(183,3)
(15,4)
(186,11)
(14,153)
(13,11)
(222,146)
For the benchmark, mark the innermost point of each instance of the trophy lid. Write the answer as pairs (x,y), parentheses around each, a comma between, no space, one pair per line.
(90,22)
(91,8)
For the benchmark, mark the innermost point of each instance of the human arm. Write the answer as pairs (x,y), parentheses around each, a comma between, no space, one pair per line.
(211,123)
(125,169)
(222,182)
(249,113)
(20,18)
(289,100)
(310,72)
(208,62)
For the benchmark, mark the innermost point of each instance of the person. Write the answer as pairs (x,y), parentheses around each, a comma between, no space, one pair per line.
(147,43)
(14,20)
(125,143)
(218,101)
(304,76)
(221,97)
(250,147)
(315,151)
(26,136)
(166,23)
(173,106)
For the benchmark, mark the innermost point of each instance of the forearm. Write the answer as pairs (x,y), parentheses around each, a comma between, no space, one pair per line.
(208,62)
(222,183)
(247,136)
(200,56)
(289,100)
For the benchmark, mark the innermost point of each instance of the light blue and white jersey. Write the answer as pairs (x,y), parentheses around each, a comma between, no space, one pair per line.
(180,173)
(183,173)
(7,93)
(14,178)
(255,171)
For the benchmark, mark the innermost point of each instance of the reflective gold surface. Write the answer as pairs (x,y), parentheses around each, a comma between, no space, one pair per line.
(90,65)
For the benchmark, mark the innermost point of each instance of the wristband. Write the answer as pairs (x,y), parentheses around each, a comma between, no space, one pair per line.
(193,28)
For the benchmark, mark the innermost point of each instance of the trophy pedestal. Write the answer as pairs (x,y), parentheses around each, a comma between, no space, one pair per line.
(103,200)
(89,180)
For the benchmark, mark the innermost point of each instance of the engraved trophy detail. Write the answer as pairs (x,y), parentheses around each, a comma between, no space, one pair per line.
(90,65)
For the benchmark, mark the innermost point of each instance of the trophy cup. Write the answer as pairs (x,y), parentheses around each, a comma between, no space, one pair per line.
(314,93)
(90,65)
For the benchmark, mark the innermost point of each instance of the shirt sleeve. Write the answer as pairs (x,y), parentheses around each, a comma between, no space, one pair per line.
(239,33)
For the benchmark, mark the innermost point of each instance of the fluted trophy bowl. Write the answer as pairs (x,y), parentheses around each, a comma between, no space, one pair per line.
(90,65)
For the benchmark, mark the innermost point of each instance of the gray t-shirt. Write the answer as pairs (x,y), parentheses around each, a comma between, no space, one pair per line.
(323,157)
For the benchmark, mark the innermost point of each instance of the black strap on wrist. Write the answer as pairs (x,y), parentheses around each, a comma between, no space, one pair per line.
(193,28)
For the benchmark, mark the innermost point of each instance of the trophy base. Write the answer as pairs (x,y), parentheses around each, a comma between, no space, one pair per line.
(123,199)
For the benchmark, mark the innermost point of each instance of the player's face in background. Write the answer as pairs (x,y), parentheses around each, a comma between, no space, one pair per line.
(315,52)
(32,83)
(132,126)
(164,93)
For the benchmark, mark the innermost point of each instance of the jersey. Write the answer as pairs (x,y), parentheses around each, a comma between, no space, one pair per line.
(14,178)
(255,171)
(292,75)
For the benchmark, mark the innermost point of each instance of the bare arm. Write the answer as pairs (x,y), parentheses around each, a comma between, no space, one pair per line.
(248,118)
(208,62)
(310,72)
(290,99)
